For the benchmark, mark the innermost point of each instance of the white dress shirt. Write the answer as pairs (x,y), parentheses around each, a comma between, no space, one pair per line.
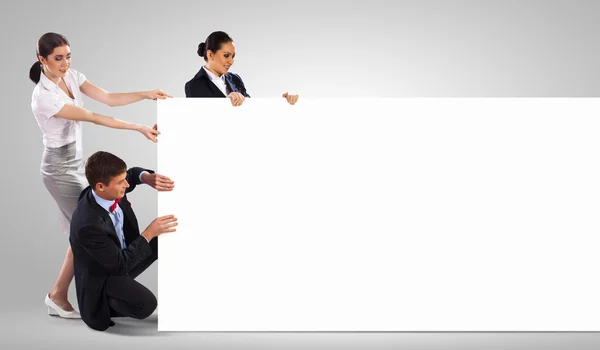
(47,99)
(218,81)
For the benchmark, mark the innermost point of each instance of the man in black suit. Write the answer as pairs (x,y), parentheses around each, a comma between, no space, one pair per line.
(109,251)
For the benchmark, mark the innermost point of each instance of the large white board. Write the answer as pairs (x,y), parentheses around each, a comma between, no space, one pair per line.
(380,215)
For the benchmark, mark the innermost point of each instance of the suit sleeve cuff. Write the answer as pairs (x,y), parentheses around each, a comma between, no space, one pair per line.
(142,173)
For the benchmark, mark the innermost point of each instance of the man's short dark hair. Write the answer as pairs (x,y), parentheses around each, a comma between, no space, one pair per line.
(102,167)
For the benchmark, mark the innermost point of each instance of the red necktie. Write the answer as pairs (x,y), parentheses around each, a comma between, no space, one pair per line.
(114,206)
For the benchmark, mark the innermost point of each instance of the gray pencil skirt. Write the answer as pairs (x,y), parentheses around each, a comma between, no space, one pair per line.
(63,173)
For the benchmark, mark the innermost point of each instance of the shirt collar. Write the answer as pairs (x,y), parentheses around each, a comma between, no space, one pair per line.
(47,83)
(213,76)
(103,202)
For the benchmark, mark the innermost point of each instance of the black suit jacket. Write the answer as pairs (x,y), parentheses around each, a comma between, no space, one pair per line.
(97,252)
(201,86)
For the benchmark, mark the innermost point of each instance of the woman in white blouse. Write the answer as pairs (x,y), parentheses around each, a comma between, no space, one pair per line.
(56,103)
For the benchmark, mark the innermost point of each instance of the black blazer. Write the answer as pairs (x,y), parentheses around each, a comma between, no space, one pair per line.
(97,252)
(201,86)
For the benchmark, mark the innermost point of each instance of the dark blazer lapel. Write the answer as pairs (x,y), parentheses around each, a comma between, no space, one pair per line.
(130,224)
(215,89)
(104,216)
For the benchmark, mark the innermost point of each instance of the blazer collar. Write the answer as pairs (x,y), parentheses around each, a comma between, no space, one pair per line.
(89,197)
(216,91)
(101,212)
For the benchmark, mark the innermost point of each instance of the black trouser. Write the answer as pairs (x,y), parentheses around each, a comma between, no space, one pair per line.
(127,297)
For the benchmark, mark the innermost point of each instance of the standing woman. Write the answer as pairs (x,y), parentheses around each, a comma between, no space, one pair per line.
(56,103)
(214,78)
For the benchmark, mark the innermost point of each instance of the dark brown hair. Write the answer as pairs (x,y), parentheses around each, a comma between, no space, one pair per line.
(102,167)
(45,46)
(213,43)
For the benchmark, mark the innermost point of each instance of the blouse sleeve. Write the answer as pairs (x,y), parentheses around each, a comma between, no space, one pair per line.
(46,105)
(79,77)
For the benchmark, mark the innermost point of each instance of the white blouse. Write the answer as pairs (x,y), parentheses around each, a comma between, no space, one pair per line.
(218,81)
(47,99)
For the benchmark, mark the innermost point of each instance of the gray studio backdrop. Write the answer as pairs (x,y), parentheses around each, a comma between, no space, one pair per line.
(314,48)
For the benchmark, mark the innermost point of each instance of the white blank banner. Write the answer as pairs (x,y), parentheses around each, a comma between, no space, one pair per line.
(380,215)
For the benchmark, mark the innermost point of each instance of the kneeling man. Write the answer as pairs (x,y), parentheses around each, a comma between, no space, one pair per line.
(108,250)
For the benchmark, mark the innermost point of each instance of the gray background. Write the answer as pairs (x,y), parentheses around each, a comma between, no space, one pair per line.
(314,48)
